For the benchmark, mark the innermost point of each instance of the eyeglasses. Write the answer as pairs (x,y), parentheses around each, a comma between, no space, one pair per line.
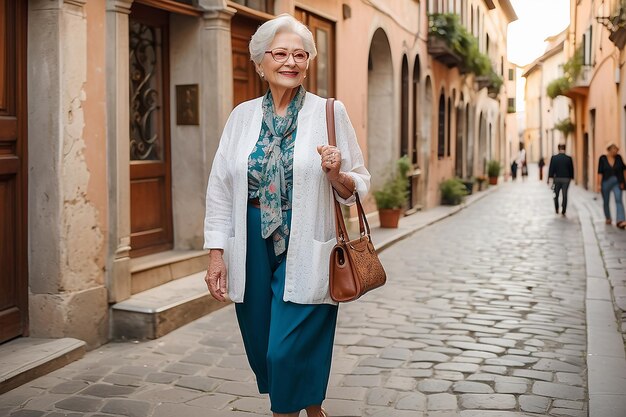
(282,55)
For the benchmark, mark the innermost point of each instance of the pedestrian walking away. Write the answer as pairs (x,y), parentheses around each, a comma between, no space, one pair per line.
(521,160)
(611,180)
(541,164)
(269,219)
(514,170)
(561,170)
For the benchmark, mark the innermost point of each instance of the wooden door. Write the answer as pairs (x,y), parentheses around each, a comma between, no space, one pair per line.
(150,171)
(246,82)
(13,169)
(321,73)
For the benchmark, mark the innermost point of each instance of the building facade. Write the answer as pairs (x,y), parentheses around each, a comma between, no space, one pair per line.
(544,114)
(594,80)
(114,110)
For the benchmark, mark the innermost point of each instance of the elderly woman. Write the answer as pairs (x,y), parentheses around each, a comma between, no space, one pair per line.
(611,180)
(270,220)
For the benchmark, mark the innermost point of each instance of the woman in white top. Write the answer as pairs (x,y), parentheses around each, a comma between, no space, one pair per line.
(270,220)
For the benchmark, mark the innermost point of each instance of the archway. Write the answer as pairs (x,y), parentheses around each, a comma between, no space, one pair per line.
(469,140)
(441,126)
(380,146)
(416,108)
(460,135)
(482,142)
(404,108)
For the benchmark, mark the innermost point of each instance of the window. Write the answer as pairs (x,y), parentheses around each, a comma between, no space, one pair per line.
(511,74)
(321,79)
(587,47)
(266,6)
(511,105)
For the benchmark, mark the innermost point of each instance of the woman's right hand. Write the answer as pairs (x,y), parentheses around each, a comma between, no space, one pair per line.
(216,275)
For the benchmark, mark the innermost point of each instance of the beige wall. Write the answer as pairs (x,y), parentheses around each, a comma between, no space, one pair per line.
(67,202)
(604,95)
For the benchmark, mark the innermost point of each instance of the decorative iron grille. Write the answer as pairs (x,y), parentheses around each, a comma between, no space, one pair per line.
(145,97)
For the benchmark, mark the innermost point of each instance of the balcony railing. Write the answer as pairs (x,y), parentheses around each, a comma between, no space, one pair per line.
(580,84)
(442,52)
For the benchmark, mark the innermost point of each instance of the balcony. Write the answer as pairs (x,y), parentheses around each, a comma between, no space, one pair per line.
(580,84)
(442,52)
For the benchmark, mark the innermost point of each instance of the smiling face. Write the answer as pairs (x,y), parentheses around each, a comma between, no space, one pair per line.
(289,74)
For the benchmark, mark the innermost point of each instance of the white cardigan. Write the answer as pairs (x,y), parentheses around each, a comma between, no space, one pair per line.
(312,233)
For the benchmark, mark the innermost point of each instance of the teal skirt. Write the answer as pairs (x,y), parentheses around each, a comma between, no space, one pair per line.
(289,346)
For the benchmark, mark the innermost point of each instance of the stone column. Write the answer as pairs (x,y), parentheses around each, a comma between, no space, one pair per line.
(66,238)
(216,92)
(118,154)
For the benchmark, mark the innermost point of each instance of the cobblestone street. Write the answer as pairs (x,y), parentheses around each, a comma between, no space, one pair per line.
(483,315)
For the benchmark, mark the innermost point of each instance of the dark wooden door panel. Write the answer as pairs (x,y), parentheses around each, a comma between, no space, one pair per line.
(8,204)
(13,204)
(150,167)
(246,82)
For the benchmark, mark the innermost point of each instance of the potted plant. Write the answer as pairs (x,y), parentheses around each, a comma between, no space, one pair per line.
(480,180)
(493,171)
(453,191)
(469,184)
(392,197)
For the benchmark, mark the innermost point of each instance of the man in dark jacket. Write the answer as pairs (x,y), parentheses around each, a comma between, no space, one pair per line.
(561,170)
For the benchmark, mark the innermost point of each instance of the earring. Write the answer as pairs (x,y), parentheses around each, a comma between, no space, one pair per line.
(262,75)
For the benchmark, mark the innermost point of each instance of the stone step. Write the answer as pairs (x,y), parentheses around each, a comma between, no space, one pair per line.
(153,313)
(28,358)
(153,270)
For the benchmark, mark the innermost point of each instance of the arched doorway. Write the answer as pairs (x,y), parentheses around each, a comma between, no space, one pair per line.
(416,108)
(460,134)
(441,126)
(469,139)
(380,147)
(482,142)
(404,108)
(414,189)
(426,136)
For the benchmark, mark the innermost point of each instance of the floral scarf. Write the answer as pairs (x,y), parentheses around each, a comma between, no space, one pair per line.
(270,168)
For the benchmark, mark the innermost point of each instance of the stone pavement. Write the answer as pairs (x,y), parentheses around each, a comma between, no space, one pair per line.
(483,315)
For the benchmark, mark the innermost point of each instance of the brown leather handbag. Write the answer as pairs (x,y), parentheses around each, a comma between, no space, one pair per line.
(354,265)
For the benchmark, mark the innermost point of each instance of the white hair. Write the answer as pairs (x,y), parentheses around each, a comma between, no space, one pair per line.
(264,36)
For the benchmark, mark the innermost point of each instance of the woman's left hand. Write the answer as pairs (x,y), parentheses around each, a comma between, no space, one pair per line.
(330,161)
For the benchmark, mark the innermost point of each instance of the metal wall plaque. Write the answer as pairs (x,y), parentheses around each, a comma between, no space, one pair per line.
(187,112)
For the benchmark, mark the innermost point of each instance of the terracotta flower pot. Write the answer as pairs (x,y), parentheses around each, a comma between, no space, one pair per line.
(389,217)
(493,180)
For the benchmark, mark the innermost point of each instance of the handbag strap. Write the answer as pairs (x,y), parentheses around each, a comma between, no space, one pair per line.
(340,225)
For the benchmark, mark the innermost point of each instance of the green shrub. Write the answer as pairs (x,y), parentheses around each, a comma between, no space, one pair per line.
(493,168)
(452,191)
(394,194)
(557,87)
(448,27)
(571,70)
(565,126)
